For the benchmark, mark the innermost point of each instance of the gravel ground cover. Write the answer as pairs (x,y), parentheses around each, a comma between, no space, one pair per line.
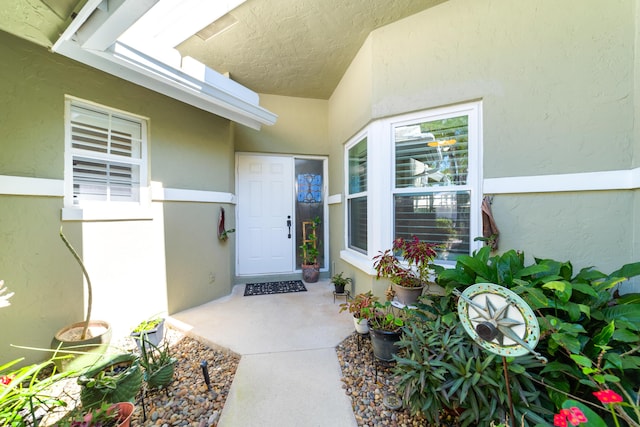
(187,401)
(367,392)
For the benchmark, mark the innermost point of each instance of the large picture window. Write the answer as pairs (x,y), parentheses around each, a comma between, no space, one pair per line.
(432,195)
(106,155)
(415,175)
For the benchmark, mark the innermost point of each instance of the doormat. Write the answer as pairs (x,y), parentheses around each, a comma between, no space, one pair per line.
(268,288)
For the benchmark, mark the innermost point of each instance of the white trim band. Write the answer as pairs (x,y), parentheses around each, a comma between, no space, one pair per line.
(588,181)
(160,194)
(334,199)
(25,186)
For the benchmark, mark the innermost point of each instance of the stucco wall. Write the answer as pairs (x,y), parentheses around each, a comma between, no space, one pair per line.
(557,83)
(301,128)
(556,78)
(138,268)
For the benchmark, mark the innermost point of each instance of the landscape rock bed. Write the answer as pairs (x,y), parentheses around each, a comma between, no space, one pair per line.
(187,401)
(355,356)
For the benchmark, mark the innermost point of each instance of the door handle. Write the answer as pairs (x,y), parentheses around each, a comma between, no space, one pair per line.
(289,225)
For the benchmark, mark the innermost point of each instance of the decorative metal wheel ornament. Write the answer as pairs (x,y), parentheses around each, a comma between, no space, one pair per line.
(499,320)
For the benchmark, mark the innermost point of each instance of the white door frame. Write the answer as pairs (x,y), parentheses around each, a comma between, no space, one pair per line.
(325,207)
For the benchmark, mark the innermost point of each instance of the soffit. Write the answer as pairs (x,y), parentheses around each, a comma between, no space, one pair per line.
(295,48)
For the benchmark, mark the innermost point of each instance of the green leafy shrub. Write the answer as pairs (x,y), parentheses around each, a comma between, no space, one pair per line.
(589,333)
(443,371)
(23,391)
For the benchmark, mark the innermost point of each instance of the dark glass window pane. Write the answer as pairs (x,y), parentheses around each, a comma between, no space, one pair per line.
(440,217)
(358,224)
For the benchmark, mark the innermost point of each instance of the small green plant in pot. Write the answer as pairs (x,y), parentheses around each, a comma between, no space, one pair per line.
(340,282)
(385,328)
(361,308)
(309,251)
(409,266)
(151,330)
(84,341)
(118,378)
(158,364)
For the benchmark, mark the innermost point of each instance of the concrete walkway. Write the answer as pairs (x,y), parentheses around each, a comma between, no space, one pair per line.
(288,374)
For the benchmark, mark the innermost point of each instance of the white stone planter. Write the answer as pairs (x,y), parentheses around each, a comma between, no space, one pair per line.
(362,327)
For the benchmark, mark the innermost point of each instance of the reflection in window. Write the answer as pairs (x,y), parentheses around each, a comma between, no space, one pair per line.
(432,154)
(431,160)
(357,196)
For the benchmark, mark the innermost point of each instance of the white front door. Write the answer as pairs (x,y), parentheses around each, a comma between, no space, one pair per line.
(265,242)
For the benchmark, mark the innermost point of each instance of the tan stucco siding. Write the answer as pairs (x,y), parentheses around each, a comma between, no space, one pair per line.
(136,266)
(558,87)
(301,128)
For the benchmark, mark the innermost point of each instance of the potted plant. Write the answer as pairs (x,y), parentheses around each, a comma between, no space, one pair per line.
(107,415)
(361,308)
(151,330)
(116,379)
(385,329)
(158,363)
(408,265)
(85,341)
(309,251)
(340,282)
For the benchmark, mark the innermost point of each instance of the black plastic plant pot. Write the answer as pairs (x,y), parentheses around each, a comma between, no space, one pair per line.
(384,343)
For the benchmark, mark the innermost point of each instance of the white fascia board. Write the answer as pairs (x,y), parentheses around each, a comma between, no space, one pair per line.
(104,26)
(231,100)
(171,82)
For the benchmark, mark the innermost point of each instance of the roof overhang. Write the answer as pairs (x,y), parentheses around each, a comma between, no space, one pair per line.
(92,39)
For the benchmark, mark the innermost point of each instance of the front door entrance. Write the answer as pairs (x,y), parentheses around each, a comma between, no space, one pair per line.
(265,239)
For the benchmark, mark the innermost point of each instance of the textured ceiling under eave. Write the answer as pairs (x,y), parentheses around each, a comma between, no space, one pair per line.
(295,48)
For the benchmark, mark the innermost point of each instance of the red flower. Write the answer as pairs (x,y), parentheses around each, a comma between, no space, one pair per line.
(607,396)
(574,415)
(559,420)
(5,380)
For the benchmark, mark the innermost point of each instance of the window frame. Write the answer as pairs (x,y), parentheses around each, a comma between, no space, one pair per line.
(381,186)
(473,182)
(351,144)
(105,209)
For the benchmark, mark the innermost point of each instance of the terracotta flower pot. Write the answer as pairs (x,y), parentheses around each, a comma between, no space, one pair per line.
(125,411)
(310,273)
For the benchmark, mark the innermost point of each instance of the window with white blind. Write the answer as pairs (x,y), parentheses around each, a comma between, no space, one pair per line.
(432,190)
(415,175)
(357,195)
(106,156)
